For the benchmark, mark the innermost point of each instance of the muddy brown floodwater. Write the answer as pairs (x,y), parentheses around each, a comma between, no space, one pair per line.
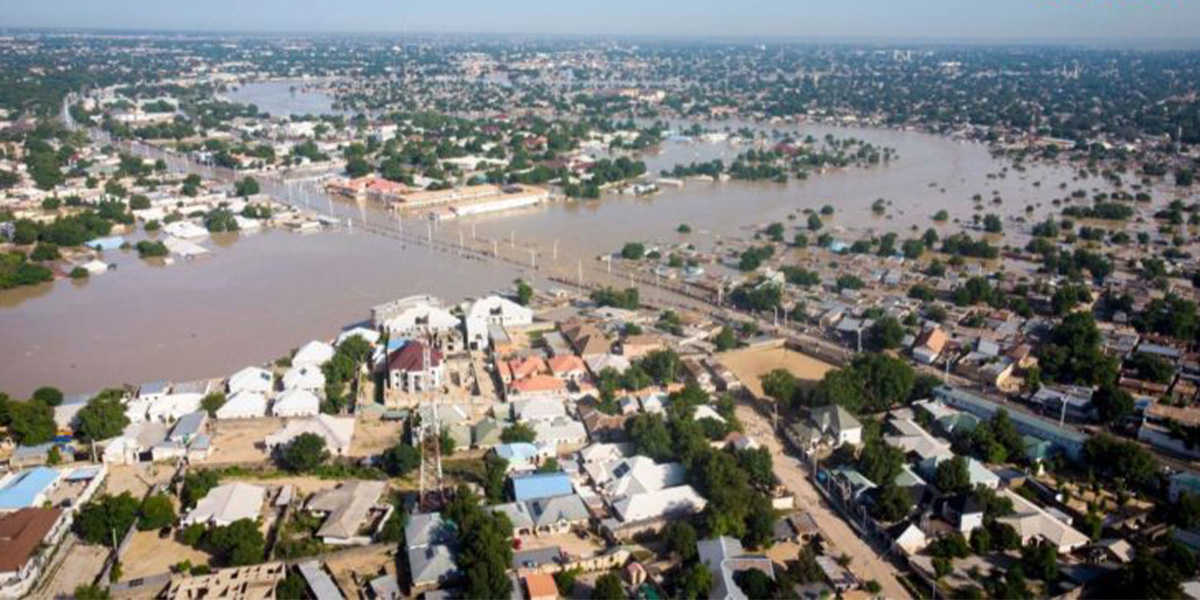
(265,293)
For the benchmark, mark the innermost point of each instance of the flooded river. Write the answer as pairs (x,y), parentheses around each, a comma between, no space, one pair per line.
(265,293)
(246,304)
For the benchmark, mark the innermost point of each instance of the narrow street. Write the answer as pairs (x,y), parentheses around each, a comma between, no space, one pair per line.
(865,563)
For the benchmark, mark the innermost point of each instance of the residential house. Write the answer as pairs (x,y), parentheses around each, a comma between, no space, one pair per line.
(250,379)
(415,368)
(541,485)
(929,345)
(309,378)
(651,511)
(489,311)
(560,431)
(313,354)
(1065,440)
(227,503)
(338,432)
(347,510)
(296,403)
(427,541)
(27,539)
(724,557)
(587,339)
(1034,522)
(27,489)
(838,424)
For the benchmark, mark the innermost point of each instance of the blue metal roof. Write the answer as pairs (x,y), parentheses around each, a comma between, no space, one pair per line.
(518,450)
(83,474)
(24,488)
(541,485)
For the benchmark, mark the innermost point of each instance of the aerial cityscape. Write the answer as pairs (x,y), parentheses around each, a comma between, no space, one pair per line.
(763,300)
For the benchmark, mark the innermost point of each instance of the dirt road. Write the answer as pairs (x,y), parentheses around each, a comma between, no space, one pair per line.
(865,563)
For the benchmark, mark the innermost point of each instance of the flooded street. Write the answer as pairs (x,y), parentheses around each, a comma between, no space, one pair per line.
(265,293)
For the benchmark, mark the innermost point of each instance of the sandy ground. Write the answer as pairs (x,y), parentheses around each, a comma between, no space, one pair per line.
(353,572)
(303,485)
(77,564)
(135,479)
(373,436)
(750,364)
(240,440)
(569,542)
(148,554)
(865,563)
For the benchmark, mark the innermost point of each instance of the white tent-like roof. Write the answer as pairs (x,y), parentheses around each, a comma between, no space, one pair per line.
(312,354)
(173,406)
(250,379)
(243,405)
(227,503)
(305,378)
(338,432)
(296,403)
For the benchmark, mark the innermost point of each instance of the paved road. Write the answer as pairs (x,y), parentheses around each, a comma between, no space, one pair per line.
(865,562)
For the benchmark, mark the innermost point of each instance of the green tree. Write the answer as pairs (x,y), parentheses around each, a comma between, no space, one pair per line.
(953,475)
(755,583)
(609,587)
(31,423)
(781,386)
(885,334)
(400,460)
(680,538)
(213,402)
(292,586)
(892,503)
(156,512)
(1074,353)
(1040,560)
(196,485)
(45,251)
(239,544)
(1112,403)
(247,186)
(524,293)
(305,453)
(105,520)
(518,432)
(633,251)
(485,549)
(103,418)
(725,340)
(91,591)
(51,396)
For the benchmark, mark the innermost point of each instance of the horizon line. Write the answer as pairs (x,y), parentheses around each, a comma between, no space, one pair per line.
(1132,42)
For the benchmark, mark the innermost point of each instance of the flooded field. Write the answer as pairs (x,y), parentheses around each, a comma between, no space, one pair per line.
(284,98)
(263,294)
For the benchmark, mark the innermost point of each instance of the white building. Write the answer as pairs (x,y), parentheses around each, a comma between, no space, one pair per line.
(227,503)
(492,310)
(304,378)
(338,433)
(296,403)
(312,354)
(243,405)
(250,379)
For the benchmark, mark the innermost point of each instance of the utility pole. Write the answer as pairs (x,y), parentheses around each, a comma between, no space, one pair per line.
(555,253)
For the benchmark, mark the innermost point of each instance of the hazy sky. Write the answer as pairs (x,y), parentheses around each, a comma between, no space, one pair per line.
(1164,20)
